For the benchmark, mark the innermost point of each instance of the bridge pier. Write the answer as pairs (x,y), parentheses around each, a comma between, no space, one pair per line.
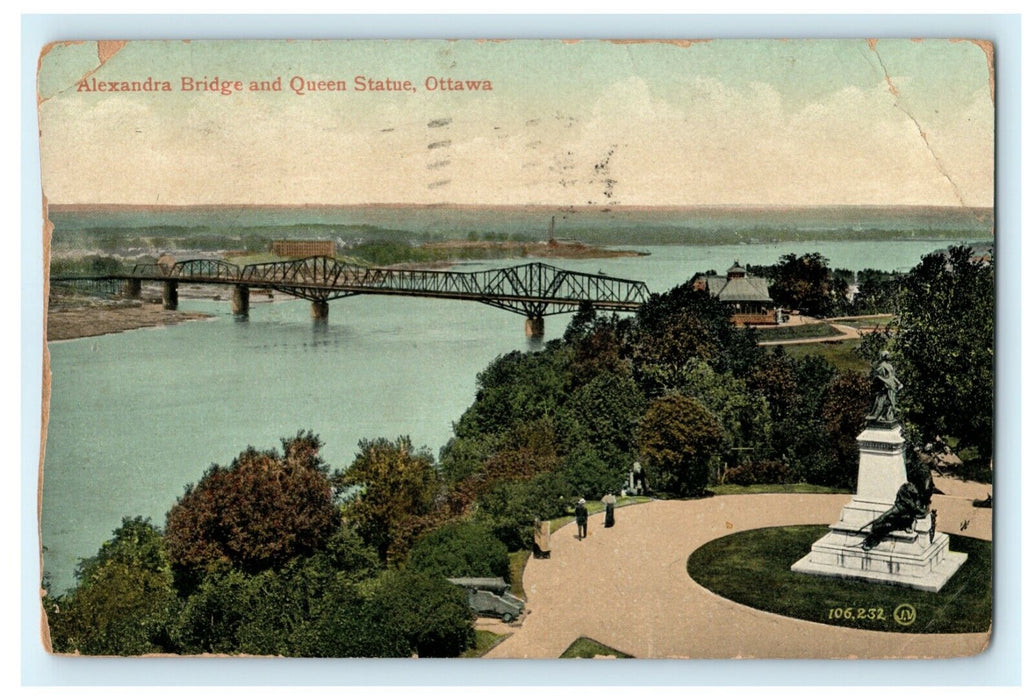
(170,297)
(319,311)
(131,288)
(535,327)
(239,300)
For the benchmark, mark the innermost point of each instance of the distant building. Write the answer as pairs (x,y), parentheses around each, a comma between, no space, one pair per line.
(748,296)
(302,249)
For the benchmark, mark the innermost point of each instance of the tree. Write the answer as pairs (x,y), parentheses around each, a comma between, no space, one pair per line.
(806,284)
(604,412)
(944,346)
(743,413)
(518,387)
(681,441)
(428,611)
(846,400)
(282,611)
(261,511)
(391,484)
(124,599)
(460,549)
(877,294)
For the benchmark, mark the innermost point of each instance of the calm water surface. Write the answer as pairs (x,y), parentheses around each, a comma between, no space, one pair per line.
(136,416)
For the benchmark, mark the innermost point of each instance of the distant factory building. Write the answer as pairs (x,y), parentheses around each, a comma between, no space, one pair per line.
(302,249)
(747,296)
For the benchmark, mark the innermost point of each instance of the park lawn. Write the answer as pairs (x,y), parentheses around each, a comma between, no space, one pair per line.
(840,353)
(483,642)
(734,489)
(802,332)
(754,568)
(879,321)
(586,648)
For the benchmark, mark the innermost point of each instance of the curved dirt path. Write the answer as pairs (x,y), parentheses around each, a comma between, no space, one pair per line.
(847,333)
(627,587)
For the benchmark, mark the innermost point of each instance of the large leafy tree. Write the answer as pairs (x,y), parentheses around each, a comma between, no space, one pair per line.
(430,613)
(391,490)
(846,400)
(260,512)
(680,439)
(460,549)
(283,611)
(682,324)
(124,599)
(944,347)
(806,283)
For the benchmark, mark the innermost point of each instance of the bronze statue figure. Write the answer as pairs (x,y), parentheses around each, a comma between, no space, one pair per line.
(887,386)
(909,505)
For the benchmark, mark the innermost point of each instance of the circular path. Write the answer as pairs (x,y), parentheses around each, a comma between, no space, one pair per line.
(627,587)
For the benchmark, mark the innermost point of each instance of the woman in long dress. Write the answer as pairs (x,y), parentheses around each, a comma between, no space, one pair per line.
(609,510)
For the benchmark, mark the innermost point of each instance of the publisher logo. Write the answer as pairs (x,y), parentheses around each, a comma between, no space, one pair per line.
(905,614)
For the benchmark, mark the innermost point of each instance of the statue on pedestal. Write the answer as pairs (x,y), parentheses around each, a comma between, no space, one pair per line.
(637,480)
(887,385)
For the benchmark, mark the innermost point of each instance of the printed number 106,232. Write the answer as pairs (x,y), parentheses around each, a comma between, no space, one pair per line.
(856,614)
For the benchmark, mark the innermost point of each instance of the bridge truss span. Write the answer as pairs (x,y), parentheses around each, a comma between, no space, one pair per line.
(533,290)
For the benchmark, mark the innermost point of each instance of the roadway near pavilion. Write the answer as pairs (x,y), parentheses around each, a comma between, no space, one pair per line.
(627,586)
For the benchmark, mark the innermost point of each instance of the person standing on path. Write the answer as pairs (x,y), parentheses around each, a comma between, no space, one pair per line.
(609,510)
(581,518)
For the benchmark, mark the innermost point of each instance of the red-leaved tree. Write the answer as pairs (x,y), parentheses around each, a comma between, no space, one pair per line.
(258,513)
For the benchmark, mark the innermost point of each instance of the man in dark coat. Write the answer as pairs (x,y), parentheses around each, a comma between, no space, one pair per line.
(581,517)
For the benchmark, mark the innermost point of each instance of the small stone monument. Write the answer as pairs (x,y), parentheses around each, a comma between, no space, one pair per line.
(886,532)
(637,485)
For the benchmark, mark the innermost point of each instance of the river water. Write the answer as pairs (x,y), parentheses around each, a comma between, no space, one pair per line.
(136,416)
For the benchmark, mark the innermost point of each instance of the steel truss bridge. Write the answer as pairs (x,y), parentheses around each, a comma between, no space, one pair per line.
(533,290)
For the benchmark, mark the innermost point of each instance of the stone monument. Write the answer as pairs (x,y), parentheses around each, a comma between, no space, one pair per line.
(886,533)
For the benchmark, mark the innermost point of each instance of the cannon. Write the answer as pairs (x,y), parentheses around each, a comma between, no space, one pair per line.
(490,596)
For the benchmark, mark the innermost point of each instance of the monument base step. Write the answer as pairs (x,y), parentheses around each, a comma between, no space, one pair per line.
(904,559)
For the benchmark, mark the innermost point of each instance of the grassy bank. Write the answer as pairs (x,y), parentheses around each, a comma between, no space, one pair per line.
(802,332)
(840,353)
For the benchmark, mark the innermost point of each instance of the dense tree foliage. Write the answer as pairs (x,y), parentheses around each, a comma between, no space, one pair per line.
(263,510)
(390,487)
(124,598)
(681,441)
(460,549)
(807,284)
(944,346)
(430,613)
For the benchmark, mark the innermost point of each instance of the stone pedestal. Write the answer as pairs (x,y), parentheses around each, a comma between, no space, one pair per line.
(170,295)
(131,288)
(918,558)
(239,300)
(535,327)
(319,310)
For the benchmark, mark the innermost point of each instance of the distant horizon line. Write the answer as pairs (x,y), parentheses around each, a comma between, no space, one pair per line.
(560,208)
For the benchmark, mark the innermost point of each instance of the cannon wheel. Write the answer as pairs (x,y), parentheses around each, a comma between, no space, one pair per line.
(507,617)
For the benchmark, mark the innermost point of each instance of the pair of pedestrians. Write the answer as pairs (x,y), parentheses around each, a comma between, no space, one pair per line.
(582,515)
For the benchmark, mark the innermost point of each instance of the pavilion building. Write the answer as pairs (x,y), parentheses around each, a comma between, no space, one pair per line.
(747,296)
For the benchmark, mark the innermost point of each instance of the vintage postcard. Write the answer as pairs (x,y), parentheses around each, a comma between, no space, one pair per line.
(518,349)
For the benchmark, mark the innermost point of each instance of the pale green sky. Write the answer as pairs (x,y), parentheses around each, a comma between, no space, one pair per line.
(755,122)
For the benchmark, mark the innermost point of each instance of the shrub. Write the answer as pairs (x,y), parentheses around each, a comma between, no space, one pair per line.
(763,471)
(460,549)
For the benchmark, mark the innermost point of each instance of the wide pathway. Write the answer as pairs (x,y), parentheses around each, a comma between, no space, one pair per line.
(627,587)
